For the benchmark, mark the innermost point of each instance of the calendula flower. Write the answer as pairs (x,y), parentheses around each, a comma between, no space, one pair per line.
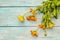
(32,11)
(28,17)
(21,18)
(51,25)
(33,18)
(42,26)
(34,33)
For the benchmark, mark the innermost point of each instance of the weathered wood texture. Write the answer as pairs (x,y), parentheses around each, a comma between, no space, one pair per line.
(12,29)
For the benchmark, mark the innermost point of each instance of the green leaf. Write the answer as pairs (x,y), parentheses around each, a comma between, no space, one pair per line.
(55,14)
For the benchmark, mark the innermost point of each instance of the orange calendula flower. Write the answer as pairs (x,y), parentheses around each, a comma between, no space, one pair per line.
(28,17)
(42,26)
(21,18)
(32,11)
(34,33)
(51,25)
(33,18)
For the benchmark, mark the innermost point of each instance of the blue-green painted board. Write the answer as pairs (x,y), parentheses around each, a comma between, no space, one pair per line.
(20,2)
(23,33)
(8,17)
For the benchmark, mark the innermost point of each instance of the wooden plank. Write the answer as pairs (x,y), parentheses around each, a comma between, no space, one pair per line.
(20,2)
(9,22)
(8,17)
(23,33)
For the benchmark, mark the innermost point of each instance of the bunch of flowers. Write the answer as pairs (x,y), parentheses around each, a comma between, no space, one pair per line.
(49,9)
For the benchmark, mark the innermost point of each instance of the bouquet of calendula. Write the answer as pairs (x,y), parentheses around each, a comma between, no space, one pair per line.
(49,9)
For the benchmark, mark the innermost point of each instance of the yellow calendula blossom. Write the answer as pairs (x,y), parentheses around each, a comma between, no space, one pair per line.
(34,33)
(32,11)
(51,25)
(21,18)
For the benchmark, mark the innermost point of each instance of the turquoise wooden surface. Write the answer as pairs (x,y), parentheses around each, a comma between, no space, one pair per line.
(8,17)
(23,33)
(20,2)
